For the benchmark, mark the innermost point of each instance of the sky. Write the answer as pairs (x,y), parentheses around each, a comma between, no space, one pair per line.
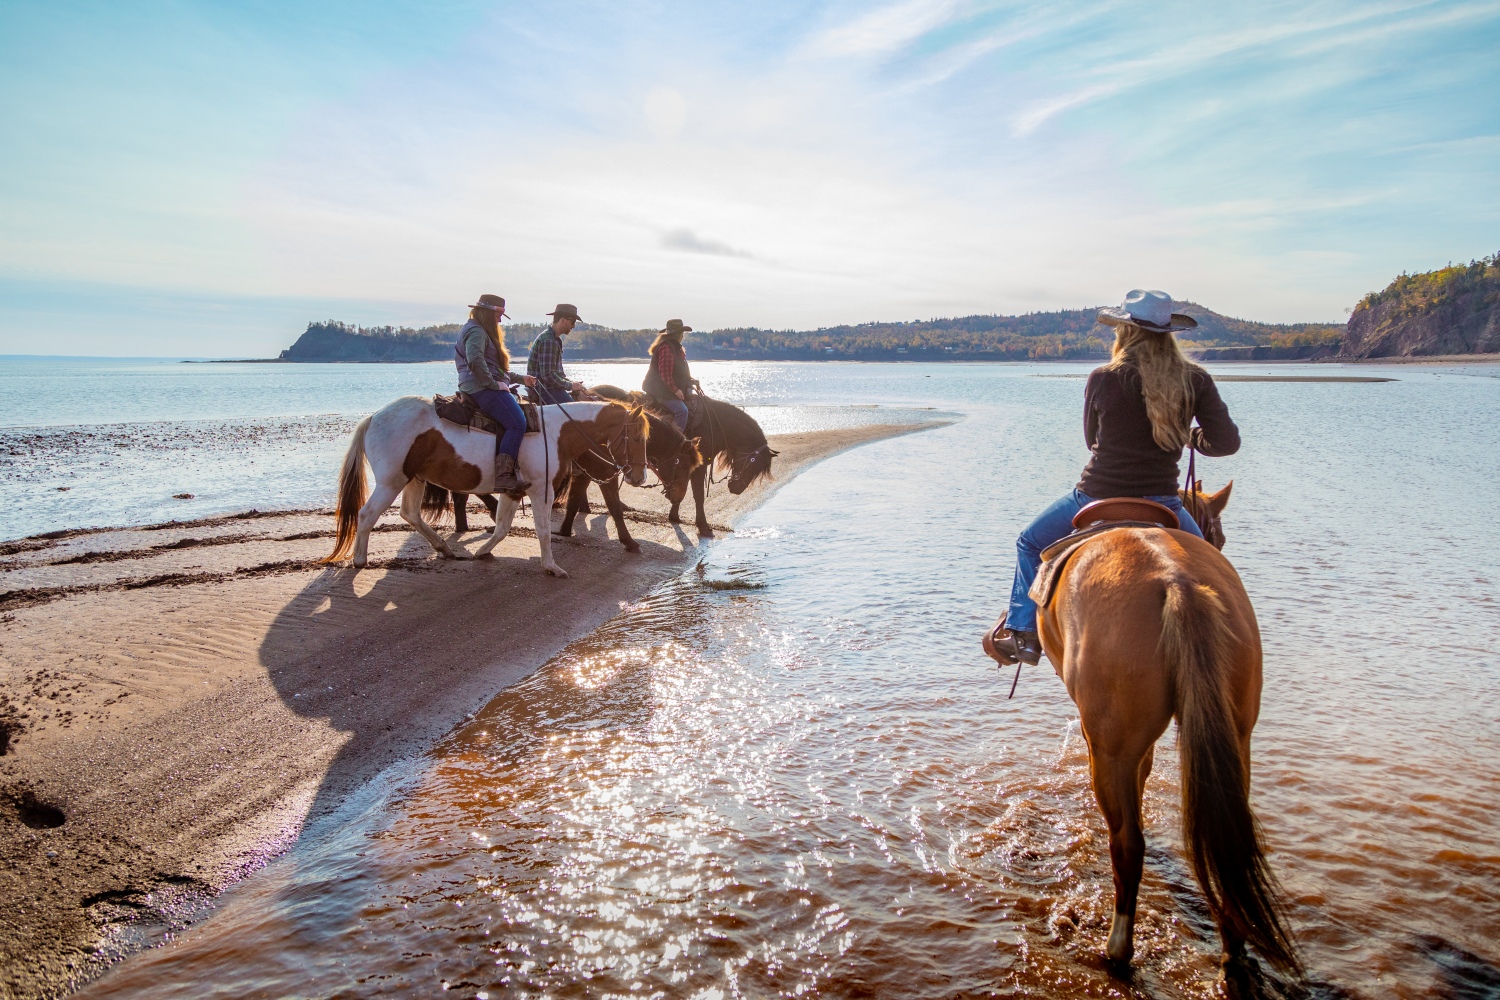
(204,179)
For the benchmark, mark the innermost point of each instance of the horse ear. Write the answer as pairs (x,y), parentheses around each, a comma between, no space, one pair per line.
(1220,500)
(773,452)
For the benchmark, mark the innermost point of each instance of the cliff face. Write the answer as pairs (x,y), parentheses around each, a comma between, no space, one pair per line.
(1455,310)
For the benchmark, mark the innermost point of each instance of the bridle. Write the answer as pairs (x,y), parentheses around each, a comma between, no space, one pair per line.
(1209,523)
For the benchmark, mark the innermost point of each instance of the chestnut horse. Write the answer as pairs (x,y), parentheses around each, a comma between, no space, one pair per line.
(408,446)
(669,453)
(729,438)
(1148,624)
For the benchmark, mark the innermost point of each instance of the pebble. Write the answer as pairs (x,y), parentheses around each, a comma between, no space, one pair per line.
(51,854)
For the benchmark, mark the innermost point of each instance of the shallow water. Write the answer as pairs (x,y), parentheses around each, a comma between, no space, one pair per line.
(797,775)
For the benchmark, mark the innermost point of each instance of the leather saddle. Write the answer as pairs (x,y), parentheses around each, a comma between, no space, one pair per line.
(462,410)
(1095,519)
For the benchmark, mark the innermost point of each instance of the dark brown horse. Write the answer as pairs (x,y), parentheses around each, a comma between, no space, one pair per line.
(670,454)
(731,441)
(1147,625)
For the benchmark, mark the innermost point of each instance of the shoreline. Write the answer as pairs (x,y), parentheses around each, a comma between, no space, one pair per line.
(183,699)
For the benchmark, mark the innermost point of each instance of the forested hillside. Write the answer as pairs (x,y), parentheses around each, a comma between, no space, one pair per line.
(1042,335)
(1453,310)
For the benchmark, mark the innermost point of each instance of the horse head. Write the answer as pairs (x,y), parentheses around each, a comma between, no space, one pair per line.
(677,472)
(746,467)
(629,447)
(1206,509)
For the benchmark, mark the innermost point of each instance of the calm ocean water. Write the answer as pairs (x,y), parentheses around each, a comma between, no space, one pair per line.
(806,780)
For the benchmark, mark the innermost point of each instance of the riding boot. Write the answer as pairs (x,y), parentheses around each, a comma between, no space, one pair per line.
(508,476)
(1009,647)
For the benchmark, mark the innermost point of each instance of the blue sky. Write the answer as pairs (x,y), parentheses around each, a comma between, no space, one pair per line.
(203,179)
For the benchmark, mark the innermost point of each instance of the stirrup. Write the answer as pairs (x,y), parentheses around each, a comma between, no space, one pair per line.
(1004,647)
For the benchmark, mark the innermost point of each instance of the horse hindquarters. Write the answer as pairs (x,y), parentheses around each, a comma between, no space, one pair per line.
(1218,829)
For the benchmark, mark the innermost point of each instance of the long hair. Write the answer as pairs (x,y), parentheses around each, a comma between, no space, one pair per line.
(487,319)
(1166,381)
(662,338)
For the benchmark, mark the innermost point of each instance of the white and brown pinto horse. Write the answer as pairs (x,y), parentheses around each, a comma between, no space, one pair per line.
(408,446)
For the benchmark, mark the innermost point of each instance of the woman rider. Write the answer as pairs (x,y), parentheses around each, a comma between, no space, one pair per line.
(484,375)
(1137,415)
(668,380)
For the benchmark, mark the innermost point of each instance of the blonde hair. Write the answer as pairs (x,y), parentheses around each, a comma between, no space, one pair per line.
(488,319)
(662,338)
(1166,381)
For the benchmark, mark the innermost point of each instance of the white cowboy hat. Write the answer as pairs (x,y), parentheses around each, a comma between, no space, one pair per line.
(1149,311)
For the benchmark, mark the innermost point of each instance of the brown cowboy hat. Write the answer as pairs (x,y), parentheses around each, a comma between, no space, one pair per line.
(566,310)
(675,327)
(492,302)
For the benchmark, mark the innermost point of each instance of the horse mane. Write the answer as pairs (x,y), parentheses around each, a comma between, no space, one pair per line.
(741,433)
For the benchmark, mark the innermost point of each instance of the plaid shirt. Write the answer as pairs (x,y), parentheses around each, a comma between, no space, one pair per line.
(545,362)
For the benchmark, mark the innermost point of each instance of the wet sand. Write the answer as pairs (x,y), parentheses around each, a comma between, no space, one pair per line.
(180,700)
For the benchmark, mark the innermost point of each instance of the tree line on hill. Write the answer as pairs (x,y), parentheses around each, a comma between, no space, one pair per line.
(1063,334)
(1453,310)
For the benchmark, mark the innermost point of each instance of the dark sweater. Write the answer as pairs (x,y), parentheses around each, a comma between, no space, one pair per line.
(1126,460)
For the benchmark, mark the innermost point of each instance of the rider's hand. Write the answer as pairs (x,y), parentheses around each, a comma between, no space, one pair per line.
(530,381)
(680,395)
(577,386)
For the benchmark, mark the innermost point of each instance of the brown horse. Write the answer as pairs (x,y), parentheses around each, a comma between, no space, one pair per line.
(731,441)
(1148,624)
(669,454)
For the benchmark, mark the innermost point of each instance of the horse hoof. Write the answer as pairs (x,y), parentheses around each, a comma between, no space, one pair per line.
(558,572)
(705,532)
(633,547)
(1121,946)
(486,556)
(674,518)
(357,563)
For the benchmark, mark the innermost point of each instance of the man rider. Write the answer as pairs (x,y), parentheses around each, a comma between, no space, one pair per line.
(545,362)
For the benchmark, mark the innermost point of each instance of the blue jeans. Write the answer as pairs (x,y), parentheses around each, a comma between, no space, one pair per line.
(679,412)
(548,396)
(503,409)
(1052,524)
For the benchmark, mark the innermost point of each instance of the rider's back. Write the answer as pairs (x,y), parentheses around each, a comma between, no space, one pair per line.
(1126,461)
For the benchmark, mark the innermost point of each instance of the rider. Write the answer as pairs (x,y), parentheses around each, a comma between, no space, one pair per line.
(1137,415)
(545,362)
(484,376)
(668,380)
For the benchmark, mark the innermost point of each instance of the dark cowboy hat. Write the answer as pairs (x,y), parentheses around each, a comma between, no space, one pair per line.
(492,302)
(1148,310)
(675,327)
(566,310)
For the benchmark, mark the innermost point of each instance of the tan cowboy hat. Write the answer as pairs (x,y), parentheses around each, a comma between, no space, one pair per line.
(1148,310)
(495,303)
(566,310)
(675,327)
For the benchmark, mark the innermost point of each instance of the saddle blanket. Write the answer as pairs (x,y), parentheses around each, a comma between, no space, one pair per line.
(461,409)
(1056,556)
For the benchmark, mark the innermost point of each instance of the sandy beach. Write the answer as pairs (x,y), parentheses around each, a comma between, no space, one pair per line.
(181,700)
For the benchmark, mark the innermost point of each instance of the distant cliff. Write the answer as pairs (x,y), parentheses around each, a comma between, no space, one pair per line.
(1455,310)
(335,341)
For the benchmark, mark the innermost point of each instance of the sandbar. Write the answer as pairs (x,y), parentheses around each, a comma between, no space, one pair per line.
(179,701)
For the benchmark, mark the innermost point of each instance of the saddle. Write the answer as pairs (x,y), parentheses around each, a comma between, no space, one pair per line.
(1095,519)
(462,410)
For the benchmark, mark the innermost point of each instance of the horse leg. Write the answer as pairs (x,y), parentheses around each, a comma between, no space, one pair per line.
(1119,780)
(491,504)
(380,501)
(460,511)
(411,513)
(505,512)
(611,491)
(700,474)
(578,500)
(541,510)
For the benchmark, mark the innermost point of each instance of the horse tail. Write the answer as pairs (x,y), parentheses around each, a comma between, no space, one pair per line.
(351,494)
(1220,832)
(434,502)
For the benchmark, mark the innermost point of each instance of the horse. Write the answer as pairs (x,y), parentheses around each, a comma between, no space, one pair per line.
(669,453)
(1148,624)
(730,441)
(408,445)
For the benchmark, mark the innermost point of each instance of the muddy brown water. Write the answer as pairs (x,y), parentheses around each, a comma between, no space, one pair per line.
(795,774)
